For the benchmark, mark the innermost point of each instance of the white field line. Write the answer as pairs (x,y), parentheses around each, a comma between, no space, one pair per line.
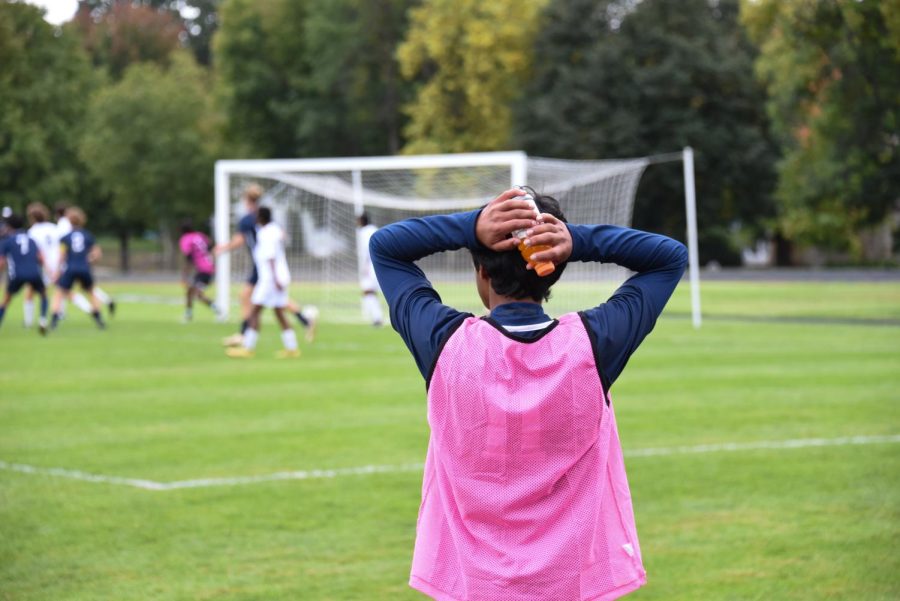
(413,467)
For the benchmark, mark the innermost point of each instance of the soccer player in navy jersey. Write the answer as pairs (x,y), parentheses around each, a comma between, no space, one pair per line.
(23,260)
(521,439)
(77,251)
(246,236)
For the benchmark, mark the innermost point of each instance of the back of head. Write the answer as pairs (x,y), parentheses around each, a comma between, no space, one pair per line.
(187,227)
(37,212)
(264,216)
(60,209)
(363,219)
(252,193)
(15,222)
(76,217)
(507,270)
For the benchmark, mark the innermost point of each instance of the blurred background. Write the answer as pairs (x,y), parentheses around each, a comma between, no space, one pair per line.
(791,107)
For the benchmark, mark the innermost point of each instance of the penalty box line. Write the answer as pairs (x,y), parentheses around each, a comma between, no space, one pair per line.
(143,484)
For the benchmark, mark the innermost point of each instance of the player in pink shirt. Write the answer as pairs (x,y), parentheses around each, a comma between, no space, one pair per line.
(524,492)
(195,247)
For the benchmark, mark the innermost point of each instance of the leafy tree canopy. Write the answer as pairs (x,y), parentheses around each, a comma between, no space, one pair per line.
(45,81)
(150,141)
(311,77)
(832,70)
(470,59)
(621,78)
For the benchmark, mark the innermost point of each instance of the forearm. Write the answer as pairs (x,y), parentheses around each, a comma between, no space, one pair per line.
(636,250)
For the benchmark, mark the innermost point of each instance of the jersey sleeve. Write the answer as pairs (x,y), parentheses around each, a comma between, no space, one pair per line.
(619,325)
(417,312)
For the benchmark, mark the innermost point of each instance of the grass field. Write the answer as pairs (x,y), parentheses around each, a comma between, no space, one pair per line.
(155,400)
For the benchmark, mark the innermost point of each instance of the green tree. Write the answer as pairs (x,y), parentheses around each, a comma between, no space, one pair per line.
(312,77)
(149,142)
(621,78)
(470,59)
(832,70)
(45,80)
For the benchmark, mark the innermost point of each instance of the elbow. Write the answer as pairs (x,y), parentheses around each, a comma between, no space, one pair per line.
(376,244)
(681,255)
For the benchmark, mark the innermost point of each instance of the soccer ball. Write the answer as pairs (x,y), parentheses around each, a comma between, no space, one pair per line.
(310,312)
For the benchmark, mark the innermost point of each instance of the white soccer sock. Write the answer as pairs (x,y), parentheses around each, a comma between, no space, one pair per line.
(82,303)
(28,309)
(372,308)
(289,339)
(250,338)
(101,295)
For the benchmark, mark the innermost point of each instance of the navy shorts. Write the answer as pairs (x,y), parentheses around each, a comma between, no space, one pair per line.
(202,280)
(253,277)
(36,283)
(68,279)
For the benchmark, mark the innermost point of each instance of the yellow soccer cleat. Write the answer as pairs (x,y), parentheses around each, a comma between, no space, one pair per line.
(286,354)
(239,352)
(233,340)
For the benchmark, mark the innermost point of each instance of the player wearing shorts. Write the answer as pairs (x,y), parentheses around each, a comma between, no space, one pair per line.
(368,283)
(246,236)
(271,289)
(23,260)
(195,246)
(77,252)
(44,233)
(63,227)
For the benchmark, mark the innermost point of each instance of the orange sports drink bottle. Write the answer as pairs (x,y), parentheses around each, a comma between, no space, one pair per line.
(544,267)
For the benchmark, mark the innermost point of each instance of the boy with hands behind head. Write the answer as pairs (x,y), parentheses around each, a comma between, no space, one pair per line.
(524,494)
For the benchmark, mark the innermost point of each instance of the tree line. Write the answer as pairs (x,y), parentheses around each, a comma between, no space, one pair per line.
(791,107)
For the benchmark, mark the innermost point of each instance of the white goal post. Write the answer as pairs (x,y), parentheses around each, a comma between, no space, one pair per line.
(317,201)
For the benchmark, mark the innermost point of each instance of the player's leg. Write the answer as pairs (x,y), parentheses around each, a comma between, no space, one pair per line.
(106,299)
(11,289)
(28,307)
(39,287)
(309,323)
(201,281)
(246,310)
(63,292)
(87,284)
(288,337)
(372,308)
(81,301)
(250,337)
(188,303)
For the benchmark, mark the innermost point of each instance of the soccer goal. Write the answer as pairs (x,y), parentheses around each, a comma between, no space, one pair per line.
(317,202)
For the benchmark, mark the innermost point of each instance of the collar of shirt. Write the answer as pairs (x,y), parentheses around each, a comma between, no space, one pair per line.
(519,314)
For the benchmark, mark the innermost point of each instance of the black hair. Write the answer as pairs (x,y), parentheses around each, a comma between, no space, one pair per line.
(187,227)
(509,276)
(363,219)
(15,222)
(263,215)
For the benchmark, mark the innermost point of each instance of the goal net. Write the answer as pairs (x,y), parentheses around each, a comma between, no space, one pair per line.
(317,202)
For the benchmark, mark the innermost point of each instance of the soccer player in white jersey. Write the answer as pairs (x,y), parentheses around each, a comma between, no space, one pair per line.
(44,234)
(63,227)
(371,306)
(271,290)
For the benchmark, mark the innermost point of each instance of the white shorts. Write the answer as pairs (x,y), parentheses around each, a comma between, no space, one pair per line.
(369,282)
(265,294)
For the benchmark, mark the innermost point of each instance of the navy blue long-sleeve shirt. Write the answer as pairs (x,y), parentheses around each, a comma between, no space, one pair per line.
(618,326)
